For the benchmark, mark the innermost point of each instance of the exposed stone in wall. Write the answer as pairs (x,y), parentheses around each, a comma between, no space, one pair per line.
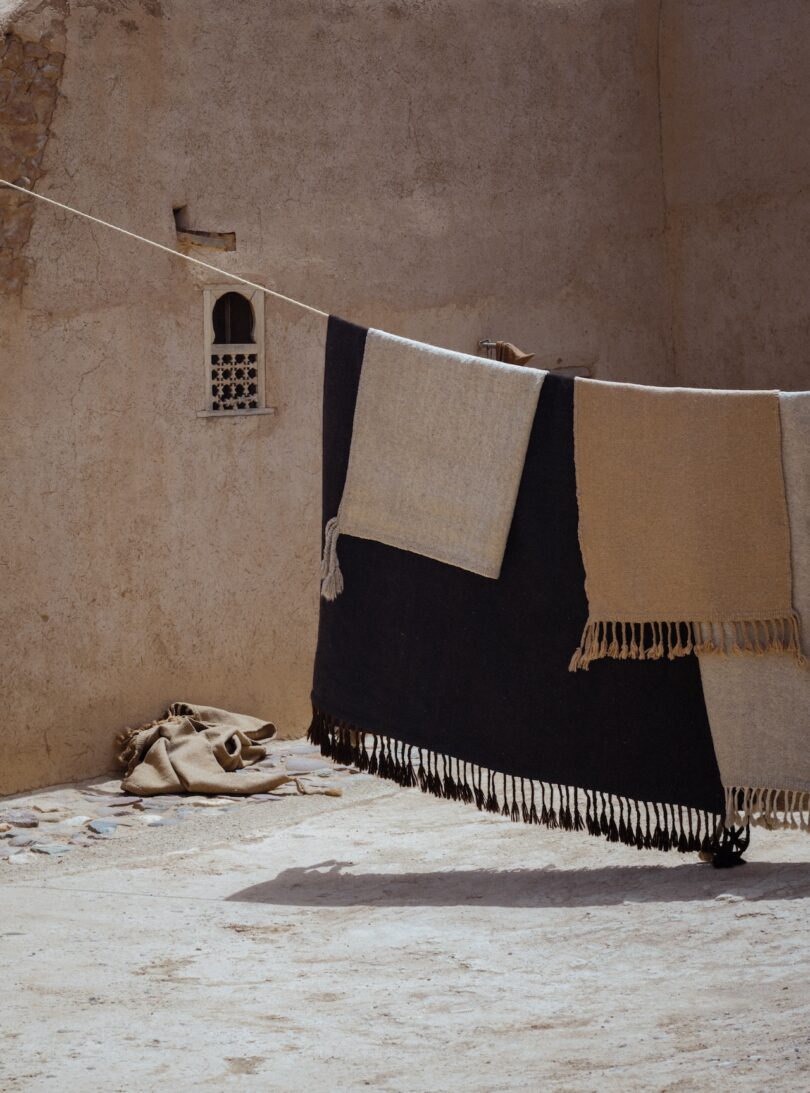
(30,72)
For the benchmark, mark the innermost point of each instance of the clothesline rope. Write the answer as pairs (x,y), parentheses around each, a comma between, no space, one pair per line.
(168,250)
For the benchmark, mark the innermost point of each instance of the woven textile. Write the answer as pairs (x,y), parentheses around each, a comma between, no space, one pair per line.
(437,677)
(759,708)
(198,749)
(682,523)
(437,452)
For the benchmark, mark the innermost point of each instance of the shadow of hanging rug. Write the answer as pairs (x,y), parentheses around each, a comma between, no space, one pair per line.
(440,678)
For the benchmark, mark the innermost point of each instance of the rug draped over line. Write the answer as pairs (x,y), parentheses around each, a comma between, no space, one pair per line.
(759,708)
(439,440)
(198,749)
(434,676)
(682,523)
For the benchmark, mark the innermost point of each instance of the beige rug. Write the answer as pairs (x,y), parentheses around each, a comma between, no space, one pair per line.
(438,445)
(759,708)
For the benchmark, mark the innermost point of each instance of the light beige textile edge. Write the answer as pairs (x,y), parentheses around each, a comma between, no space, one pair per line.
(198,749)
(759,708)
(438,446)
(682,522)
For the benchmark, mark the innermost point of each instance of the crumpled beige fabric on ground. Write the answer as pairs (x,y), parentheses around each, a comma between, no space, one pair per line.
(198,749)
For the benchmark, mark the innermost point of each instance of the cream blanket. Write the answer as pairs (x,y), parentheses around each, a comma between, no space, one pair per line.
(682,522)
(438,445)
(759,708)
(198,749)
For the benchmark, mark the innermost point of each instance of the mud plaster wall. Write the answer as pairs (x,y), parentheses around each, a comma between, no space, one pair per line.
(29,78)
(735,105)
(386,161)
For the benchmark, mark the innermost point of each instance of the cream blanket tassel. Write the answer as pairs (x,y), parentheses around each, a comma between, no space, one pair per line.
(331,576)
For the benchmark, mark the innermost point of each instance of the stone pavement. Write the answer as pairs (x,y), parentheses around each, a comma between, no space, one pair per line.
(390,941)
(56,821)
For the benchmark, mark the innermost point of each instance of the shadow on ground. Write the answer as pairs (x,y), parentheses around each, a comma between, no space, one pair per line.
(329,884)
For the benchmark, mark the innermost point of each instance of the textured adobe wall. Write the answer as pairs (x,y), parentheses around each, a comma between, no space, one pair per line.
(445,170)
(386,161)
(736,117)
(29,80)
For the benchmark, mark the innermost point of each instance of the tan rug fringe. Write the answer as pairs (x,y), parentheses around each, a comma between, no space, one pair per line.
(771,808)
(655,640)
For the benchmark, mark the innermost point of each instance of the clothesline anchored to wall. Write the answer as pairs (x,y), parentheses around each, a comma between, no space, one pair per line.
(163,247)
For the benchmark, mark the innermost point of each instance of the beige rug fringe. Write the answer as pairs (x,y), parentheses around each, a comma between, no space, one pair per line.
(331,575)
(655,640)
(772,808)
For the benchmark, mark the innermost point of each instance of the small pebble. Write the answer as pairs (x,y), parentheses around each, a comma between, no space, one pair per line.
(45,805)
(4,827)
(302,765)
(106,788)
(300,747)
(73,823)
(103,827)
(22,819)
(50,848)
(23,857)
(21,840)
(114,810)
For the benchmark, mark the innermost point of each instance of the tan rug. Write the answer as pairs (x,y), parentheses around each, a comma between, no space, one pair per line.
(682,523)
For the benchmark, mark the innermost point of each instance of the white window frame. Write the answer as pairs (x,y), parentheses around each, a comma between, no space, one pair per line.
(211,293)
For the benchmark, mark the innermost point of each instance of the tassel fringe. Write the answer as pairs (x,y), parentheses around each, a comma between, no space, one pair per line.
(331,576)
(788,809)
(655,640)
(645,825)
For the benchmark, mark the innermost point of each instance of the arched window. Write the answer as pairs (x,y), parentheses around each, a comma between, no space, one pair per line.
(234,351)
(233,320)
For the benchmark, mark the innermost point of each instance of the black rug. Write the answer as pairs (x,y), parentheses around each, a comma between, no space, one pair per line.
(436,677)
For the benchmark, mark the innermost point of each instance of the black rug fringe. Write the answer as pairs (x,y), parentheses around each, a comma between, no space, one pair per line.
(645,825)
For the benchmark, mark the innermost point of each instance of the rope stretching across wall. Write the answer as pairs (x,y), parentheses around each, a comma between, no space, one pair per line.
(168,250)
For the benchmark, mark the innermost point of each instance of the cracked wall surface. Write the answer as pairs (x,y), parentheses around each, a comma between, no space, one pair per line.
(30,71)
(569,187)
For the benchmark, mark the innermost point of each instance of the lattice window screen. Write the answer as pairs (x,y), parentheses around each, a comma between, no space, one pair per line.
(235,378)
(234,374)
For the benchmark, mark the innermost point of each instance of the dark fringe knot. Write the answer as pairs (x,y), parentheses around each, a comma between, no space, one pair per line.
(645,825)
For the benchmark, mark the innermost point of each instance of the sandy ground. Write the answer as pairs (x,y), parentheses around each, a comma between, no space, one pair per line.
(387,940)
